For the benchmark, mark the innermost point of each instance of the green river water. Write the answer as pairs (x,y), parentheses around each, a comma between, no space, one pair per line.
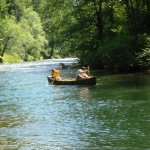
(112,115)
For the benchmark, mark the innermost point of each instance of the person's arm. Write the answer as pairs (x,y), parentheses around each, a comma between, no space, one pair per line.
(58,71)
(82,77)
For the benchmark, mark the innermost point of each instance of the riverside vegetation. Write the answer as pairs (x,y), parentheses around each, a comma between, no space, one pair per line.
(105,34)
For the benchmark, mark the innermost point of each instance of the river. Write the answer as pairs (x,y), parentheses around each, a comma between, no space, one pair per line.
(112,115)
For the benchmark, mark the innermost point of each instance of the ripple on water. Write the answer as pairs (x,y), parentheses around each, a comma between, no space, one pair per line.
(114,114)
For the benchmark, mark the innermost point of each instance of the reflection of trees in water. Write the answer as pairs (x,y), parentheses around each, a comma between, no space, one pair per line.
(11,117)
(84,93)
(71,92)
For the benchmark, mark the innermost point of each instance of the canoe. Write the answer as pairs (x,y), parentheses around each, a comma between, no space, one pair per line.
(72,81)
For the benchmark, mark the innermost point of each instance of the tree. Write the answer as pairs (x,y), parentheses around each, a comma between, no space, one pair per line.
(16,7)
(34,37)
(51,15)
(25,38)
(3,9)
(9,34)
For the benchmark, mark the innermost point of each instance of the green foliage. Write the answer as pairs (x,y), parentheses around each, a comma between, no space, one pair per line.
(111,43)
(26,38)
(117,54)
(34,40)
(10,35)
(104,34)
(3,9)
(16,8)
(52,14)
(11,58)
(143,57)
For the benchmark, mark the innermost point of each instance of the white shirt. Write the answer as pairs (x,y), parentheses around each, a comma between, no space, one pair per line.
(80,72)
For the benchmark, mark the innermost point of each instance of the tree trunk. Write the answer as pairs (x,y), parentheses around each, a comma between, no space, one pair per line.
(98,10)
(131,16)
(5,46)
(51,44)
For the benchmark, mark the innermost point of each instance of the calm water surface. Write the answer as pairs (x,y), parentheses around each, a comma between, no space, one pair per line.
(113,115)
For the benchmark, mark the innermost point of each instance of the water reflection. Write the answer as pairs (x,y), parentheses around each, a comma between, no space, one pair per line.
(9,144)
(84,93)
(65,92)
(11,118)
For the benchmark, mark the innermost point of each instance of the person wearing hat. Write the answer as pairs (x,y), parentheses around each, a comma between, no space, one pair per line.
(81,74)
(56,73)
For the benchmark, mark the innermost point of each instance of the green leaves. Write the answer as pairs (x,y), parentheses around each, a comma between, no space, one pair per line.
(143,57)
(106,32)
(34,37)
(25,38)
(3,9)
(10,32)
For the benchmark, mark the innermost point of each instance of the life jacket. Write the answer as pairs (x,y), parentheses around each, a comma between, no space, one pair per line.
(55,74)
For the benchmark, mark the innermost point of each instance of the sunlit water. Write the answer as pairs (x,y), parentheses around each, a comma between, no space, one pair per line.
(113,115)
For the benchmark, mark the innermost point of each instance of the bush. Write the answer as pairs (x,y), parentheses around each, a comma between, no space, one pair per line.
(11,58)
(117,54)
(143,57)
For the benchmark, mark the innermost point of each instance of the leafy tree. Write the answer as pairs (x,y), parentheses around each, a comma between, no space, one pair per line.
(3,9)
(34,37)
(25,38)
(143,57)
(51,15)
(17,7)
(102,33)
(9,33)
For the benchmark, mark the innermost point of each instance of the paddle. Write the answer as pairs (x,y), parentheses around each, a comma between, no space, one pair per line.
(53,80)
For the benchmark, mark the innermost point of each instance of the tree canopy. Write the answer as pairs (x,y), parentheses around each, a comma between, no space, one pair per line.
(106,34)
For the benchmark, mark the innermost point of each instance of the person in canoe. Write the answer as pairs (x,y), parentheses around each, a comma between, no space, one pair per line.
(81,74)
(56,73)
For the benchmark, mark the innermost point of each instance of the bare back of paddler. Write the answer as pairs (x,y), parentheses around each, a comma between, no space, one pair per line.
(81,74)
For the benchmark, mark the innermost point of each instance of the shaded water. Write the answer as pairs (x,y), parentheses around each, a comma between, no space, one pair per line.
(112,115)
